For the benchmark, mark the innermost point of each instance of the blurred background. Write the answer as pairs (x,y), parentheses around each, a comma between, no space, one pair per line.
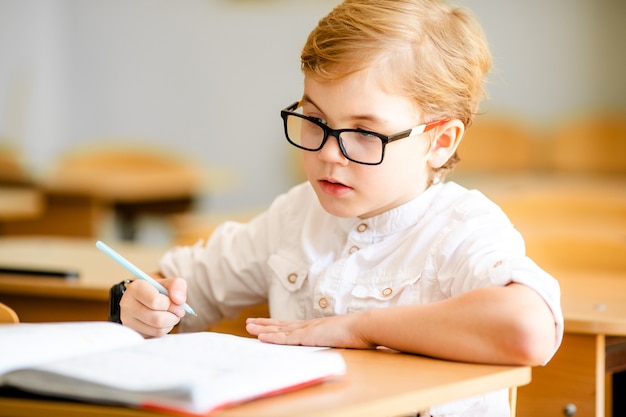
(206,79)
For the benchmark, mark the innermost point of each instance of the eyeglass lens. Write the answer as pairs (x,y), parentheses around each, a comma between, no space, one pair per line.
(357,146)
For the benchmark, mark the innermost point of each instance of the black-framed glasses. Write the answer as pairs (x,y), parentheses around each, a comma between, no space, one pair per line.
(357,145)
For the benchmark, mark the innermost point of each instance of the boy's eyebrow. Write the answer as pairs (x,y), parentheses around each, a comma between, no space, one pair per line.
(357,117)
(307,99)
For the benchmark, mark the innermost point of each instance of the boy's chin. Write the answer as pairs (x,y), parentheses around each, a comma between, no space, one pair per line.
(343,211)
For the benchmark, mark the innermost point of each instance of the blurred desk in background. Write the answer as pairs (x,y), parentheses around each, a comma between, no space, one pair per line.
(41,298)
(126,182)
(549,202)
(516,187)
(19,203)
(129,193)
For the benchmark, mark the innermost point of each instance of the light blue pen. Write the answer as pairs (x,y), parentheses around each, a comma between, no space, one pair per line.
(137,272)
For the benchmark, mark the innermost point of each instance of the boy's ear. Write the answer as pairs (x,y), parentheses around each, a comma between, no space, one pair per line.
(447,139)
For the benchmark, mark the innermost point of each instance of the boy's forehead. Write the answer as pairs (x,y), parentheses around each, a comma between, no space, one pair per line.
(360,95)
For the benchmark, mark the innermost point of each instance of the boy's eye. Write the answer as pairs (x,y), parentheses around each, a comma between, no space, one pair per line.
(319,120)
(367,134)
(315,118)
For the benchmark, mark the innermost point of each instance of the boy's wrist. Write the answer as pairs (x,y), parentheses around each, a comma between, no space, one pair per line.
(115,296)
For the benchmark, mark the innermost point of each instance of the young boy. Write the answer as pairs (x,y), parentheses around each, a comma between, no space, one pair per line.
(375,249)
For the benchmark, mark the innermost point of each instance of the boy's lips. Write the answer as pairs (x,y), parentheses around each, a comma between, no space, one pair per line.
(332,187)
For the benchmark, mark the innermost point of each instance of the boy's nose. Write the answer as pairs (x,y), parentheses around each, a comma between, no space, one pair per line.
(331,151)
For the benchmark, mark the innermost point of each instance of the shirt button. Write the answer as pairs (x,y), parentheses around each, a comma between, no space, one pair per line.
(323,302)
(353,249)
(361,228)
(292,278)
(387,292)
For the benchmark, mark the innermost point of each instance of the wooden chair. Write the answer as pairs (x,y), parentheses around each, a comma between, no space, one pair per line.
(593,144)
(7,314)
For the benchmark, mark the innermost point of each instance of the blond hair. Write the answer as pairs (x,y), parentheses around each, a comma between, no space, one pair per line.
(434,54)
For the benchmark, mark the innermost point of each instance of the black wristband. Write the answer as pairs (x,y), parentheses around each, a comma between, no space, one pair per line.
(115,296)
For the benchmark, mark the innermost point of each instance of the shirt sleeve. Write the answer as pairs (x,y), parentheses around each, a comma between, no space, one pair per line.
(224,274)
(482,248)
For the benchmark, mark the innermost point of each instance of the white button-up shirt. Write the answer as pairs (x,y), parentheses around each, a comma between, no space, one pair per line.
(307,263)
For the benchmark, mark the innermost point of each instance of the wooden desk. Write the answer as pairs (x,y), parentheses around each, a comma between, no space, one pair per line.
(378,383)
(550,184)
(126,182)
(42,299)
(594,346)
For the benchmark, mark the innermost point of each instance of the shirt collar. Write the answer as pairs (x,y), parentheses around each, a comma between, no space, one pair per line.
(398,218)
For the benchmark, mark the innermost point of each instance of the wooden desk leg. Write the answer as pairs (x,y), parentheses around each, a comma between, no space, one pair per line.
(575,377)
(601,392)
(615,375)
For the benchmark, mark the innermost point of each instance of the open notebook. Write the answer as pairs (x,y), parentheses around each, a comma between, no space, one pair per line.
(193,373)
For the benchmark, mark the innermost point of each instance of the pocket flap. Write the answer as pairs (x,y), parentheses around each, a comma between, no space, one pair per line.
(290,274)
(382,286)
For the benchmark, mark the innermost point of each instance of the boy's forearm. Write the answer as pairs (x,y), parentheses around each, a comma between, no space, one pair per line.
(505,325)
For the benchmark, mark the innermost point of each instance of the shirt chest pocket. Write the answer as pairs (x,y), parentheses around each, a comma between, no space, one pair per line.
(291,275)
(382,289)
(289,288)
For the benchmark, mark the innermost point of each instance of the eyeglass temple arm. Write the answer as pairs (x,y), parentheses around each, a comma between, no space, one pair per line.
(427,126)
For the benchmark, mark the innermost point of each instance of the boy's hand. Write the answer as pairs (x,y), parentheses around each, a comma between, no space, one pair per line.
(150,313)
(336,331)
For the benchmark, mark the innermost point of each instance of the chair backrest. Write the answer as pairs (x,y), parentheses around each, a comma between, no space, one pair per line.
(498,143)
(7,314)
(592,144)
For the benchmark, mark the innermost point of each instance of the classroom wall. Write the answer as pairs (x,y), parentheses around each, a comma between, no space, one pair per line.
(209,77)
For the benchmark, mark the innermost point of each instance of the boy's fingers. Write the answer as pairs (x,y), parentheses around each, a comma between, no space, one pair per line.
(177,288)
